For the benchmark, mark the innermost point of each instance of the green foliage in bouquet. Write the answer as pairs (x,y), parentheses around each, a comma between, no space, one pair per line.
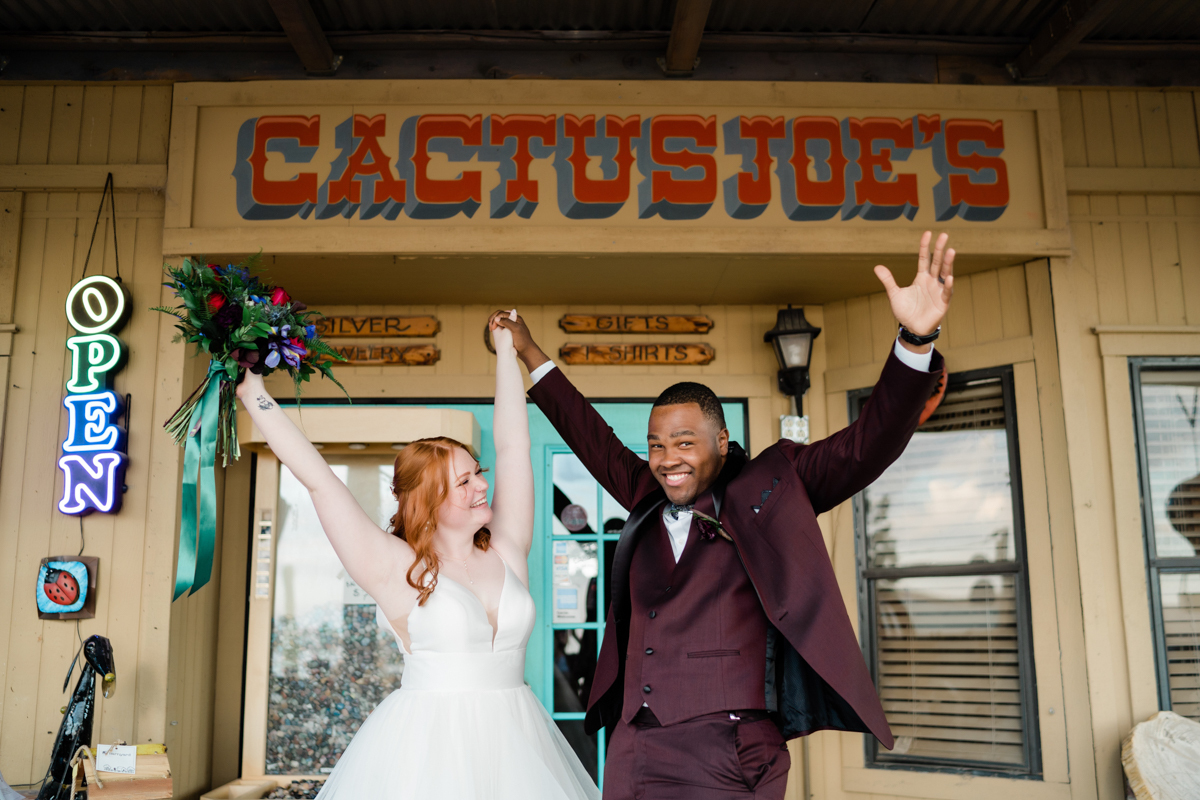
(241,323)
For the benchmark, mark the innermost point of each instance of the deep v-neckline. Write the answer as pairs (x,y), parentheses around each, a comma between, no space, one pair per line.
(499,603)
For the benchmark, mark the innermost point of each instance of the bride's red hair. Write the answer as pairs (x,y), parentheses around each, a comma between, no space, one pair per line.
(421,483)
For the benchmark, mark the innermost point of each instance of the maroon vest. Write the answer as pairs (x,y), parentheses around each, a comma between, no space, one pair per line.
(697,632)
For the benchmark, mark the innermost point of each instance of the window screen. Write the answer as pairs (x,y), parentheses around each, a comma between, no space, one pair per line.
(942,588)
(1167,404)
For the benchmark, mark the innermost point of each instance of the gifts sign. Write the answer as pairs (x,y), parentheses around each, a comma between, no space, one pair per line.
(93,455)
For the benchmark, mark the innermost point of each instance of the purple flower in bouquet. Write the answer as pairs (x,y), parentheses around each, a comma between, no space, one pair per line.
(281,346)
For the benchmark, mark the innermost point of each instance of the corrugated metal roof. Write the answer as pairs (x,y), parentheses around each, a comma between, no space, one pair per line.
(1152,19)
(1140,19)
(138,15)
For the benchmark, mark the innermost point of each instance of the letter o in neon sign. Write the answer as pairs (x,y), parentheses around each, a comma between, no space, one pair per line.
(97,304)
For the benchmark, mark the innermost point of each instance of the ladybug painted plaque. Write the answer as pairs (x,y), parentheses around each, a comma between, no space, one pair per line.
(65,587)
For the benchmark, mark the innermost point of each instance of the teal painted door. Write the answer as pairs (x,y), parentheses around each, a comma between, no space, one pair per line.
(576,527)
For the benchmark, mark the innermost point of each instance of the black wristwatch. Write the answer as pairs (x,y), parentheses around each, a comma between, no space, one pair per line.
(914,339)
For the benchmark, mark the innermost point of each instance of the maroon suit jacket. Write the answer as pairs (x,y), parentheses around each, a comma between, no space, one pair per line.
(821,680)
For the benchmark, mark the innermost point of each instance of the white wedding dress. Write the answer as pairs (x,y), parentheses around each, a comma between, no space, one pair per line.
(463,725)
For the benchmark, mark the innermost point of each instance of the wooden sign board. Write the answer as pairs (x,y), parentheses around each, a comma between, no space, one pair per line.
(341,327)
(635,323)
(638,354)
(379,355)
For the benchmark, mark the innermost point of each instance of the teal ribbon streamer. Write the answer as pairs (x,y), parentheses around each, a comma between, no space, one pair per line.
(198,520)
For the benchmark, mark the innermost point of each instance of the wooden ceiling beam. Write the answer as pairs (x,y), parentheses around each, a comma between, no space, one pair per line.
(304,32)
(686,32)
(1058,36)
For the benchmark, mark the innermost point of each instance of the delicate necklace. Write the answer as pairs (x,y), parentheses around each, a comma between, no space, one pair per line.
(470,580)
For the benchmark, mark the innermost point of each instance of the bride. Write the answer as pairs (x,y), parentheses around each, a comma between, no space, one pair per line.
(450,580)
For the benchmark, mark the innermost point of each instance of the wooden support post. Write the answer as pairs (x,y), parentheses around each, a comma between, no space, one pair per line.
(688,27)
(1065,29)
(300,23)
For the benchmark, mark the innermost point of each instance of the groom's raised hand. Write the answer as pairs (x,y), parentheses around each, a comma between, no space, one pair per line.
(921,306)
(526,347)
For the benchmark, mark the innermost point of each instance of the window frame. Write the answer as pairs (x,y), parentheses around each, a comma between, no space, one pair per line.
(1155,565)
(867,578)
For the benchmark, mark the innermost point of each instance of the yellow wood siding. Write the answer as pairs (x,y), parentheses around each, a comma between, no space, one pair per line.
(1136,267)
(163,652)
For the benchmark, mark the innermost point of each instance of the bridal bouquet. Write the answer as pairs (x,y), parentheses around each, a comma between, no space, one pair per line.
(241,323)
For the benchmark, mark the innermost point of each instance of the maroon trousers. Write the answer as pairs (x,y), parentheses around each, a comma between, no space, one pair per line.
(713,757)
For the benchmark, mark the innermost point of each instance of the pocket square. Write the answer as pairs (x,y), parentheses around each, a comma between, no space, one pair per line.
(765,494)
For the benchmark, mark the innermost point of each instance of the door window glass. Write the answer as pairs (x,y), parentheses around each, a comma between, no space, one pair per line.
(330,663)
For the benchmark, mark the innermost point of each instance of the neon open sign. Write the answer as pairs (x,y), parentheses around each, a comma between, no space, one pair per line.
(93,459)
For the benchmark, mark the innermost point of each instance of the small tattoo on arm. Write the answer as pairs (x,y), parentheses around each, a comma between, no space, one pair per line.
(264,404)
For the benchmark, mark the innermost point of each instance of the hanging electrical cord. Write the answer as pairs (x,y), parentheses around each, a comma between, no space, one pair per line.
(81,534)
(110,193)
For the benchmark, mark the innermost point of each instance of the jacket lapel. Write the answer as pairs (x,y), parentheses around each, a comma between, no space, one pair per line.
(623,556)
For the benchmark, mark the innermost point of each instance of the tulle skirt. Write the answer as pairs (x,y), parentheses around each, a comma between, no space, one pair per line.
(459,745)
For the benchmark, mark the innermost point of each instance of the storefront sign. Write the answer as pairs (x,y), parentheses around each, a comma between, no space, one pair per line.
(389,355)
(451,167)
(93,459)
(383,326)
(635,323)
(637,354)
(827,166)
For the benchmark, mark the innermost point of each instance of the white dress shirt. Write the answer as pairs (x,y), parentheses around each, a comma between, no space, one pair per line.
(678,528)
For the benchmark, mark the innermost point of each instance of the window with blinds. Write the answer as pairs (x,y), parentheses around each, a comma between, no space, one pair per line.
(942,589)
(1167,405)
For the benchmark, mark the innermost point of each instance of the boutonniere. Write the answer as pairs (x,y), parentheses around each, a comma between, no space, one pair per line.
(709,528)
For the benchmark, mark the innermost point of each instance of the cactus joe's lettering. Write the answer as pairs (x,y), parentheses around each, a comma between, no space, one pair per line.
(433,166)
(93,460)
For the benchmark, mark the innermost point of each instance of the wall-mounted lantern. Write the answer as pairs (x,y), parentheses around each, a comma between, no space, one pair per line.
(792,338)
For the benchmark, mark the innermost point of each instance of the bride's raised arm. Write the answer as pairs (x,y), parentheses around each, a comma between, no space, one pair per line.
(371,556)
(512,501)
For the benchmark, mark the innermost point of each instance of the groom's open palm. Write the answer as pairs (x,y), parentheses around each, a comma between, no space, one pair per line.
(921,306)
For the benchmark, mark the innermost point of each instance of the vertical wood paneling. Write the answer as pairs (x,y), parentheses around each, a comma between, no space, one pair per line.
(1156,136)
(1127,133)
(883,327)
(960,321)
(65,122)
(1097,126)
(69,125)
(96,125)
(1164,263)
(1014,302)
(125,123)
(986,307)
(35,125)
(1135,257)
(11,98)
(837,349)
(858,321)
(1181,122)
(1070,106)
(1189,255)
(1137,262)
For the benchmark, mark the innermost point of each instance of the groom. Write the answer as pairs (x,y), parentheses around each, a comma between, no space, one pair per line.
(727,634)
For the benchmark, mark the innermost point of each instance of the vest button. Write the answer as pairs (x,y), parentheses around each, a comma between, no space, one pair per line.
(653,614)
(646,688)
(649,651)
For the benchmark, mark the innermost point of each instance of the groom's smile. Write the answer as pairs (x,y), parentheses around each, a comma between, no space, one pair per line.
(687,450)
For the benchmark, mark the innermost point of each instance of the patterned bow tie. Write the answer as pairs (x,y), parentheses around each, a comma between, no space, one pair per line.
(674,510)
(709,527)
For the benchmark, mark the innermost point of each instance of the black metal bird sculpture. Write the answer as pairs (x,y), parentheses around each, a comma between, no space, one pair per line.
(76,727)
